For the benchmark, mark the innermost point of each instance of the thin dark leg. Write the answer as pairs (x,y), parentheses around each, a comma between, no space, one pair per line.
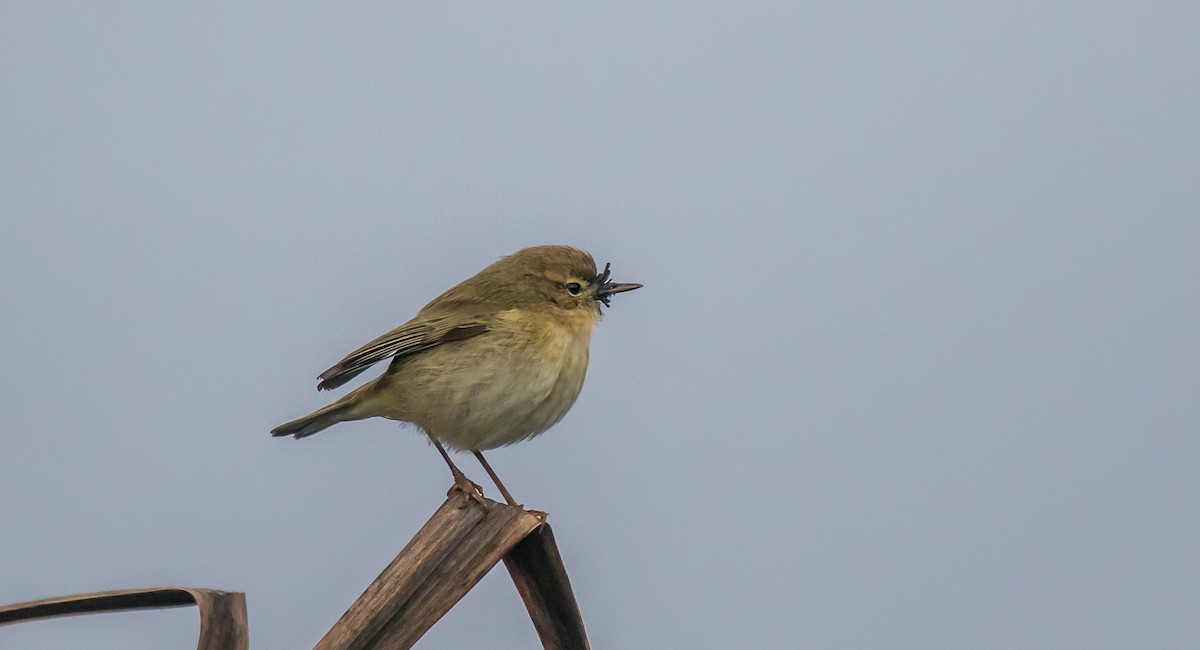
(461,482)
(495,479)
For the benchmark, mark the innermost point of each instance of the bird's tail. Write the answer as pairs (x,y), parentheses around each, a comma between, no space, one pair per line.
(340,411)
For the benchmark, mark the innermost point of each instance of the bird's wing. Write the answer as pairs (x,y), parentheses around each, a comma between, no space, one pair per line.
(421,333)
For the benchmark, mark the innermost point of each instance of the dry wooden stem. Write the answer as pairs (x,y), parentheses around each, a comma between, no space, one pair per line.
(450,554)
(223,624)
(537,569)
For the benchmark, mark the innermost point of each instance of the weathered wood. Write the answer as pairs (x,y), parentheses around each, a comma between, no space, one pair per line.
(450,554)
(537,570)
(223,622)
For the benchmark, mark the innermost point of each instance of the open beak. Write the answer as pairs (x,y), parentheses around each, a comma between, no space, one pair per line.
(604,288)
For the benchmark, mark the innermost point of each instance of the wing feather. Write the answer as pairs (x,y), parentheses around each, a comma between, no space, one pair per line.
(421,333)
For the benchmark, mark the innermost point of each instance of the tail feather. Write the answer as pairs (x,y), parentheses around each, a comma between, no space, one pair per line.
(318,420)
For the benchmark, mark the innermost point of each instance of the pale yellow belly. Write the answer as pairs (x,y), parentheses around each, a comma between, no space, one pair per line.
(489,391)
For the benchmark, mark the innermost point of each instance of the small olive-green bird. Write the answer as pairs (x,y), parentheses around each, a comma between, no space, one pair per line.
(497,359)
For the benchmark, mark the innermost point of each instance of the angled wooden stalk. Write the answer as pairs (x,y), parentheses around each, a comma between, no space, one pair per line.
(450,554)
(537,569)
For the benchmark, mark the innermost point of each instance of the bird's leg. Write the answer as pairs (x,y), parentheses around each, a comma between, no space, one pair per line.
(469,488)
(496,479)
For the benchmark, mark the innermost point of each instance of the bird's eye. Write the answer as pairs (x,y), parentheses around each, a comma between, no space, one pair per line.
(574,288)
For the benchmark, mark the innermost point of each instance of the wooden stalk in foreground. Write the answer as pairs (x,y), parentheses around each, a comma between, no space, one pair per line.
(537,569)
(450,554)
(222,613)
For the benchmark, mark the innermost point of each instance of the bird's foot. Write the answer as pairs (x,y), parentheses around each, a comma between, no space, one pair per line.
(469,489)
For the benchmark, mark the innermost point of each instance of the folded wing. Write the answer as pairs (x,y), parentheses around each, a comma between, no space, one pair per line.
(418,334)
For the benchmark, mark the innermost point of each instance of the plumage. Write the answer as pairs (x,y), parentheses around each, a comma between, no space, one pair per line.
(415,335)
(494,360)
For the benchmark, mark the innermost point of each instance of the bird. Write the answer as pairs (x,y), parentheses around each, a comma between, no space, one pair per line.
(496,359)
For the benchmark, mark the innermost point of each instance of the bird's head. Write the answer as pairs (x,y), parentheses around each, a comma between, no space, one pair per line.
(553,277)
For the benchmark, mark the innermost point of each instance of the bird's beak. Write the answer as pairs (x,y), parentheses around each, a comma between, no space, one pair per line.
(604,288)
(609,288)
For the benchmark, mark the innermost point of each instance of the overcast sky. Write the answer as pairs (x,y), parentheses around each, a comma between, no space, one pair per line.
(917,364)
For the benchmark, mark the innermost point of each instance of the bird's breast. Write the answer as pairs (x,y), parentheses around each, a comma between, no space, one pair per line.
(511,383)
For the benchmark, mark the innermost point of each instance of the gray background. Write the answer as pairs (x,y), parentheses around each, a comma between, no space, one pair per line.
(916,364)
